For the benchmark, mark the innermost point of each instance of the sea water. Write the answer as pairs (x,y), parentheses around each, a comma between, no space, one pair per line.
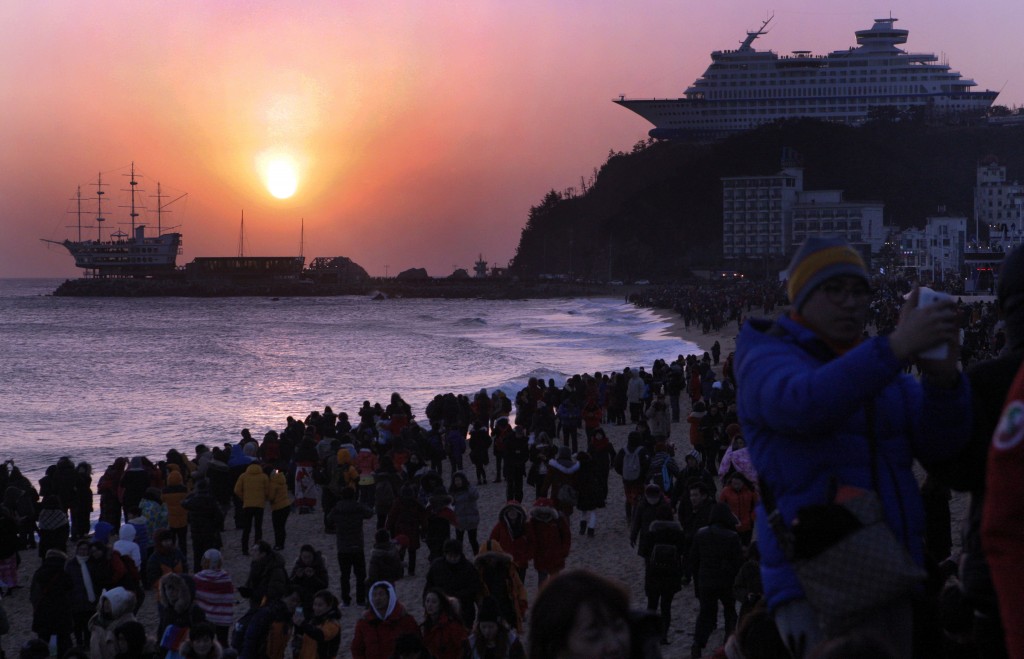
(98,378)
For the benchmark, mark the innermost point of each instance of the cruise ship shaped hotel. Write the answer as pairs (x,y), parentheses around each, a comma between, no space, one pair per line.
(744,88)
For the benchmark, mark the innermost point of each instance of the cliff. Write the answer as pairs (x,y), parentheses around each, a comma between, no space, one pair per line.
(656,212)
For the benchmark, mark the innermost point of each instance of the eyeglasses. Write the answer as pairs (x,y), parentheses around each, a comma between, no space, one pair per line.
(838,292)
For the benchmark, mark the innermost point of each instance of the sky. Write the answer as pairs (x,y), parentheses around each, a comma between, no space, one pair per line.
(416,133)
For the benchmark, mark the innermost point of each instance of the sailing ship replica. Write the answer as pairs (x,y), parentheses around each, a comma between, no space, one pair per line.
(124,254)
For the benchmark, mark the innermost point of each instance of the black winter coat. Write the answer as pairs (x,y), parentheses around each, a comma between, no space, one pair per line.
(347,518)
(716,554)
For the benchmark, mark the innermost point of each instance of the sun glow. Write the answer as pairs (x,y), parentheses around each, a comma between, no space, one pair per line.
(280,174)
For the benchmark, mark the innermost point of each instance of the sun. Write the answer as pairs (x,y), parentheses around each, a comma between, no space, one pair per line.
(281,177)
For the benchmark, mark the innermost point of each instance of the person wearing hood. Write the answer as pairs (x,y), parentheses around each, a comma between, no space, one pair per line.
(177,516)
(318,628)
(205,519)
(215,593)
(560,483)
(178,611)
(513,533)
(116,606)
(407,519)
(383,622)
(500,581)
(737,457)
(552,539)
(252,488)
(716,556)
(126,546)
(456,577)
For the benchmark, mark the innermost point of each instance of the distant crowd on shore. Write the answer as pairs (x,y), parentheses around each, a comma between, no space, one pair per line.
(161,524)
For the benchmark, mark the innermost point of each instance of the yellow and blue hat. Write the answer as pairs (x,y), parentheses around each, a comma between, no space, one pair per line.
(820,258)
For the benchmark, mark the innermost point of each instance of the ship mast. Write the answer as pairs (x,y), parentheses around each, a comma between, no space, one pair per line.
(99,206)
(78,199)
(132,182)
(241,237)
(302,236)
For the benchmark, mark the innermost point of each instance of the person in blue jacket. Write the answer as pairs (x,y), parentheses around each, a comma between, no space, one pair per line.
(808,385)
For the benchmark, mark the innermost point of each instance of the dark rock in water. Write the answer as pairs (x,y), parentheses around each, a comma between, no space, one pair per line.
(413,274)
(338,269)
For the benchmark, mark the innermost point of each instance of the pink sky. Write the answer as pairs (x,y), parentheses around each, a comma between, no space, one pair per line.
(423,131)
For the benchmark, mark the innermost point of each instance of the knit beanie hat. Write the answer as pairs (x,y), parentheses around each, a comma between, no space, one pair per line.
(820,258)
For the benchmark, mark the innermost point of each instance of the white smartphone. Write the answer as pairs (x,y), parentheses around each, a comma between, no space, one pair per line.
(926,298)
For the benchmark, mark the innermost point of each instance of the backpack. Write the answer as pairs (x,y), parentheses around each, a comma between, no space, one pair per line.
(568,495)
(632,464)
(663,560)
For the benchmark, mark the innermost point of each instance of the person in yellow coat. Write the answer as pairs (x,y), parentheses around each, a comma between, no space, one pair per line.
(319,629)
(253,488)
(280,506)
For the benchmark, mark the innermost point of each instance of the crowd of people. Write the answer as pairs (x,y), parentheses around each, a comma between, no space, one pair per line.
(715,444)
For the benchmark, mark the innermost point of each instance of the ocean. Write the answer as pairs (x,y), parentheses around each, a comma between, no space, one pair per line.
(98,378)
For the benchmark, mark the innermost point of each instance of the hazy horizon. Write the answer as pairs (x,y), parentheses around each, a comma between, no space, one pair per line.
(419,133)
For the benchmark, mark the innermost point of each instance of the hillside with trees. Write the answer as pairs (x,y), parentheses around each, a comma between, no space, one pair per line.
(656,212)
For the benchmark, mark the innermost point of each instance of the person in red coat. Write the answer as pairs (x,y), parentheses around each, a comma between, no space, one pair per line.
(552,539)
(741,499)
(1002,522)
(382,623)
(406,521)
(444,635)
(513,533)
